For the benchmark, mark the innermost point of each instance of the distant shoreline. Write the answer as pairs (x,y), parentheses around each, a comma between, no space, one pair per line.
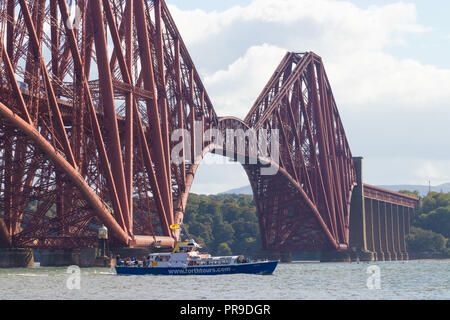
(428,256)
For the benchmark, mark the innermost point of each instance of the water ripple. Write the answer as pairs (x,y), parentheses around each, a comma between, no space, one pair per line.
(313,281)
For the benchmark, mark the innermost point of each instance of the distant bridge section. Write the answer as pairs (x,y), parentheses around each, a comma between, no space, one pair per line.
(380,220)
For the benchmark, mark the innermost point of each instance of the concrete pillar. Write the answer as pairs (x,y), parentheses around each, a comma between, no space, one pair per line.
(390,231)
(401,216)
(369,226)
(396,230)
(16,258)
(357,212)
(409,215)
(376,230)
(384,231)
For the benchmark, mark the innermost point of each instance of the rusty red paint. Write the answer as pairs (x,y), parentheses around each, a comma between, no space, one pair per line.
(78,152)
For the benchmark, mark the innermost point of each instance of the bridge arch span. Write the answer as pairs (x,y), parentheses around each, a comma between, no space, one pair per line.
(288,219)
(110,115)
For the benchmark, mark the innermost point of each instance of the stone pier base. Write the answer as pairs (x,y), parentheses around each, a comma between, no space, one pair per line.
(363,256)
(89,258)
(59,258)
(402,256)
(346,256)
(137,253)
(84,258)
(380,256)
(284,257)
(335,256)
(375,256)
(16,258)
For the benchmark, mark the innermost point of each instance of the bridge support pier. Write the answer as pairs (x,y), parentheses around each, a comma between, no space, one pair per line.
(16,258)
(282,256)
(363,256)
(137,252)
(384,232)
(379,221)
(370,228)
(376,231)
(407,214)
(361,220)
(390,231)
(286,257)
(335,256)
(396,230)
(358,239)
(59,258)
(401,225)
(86,257)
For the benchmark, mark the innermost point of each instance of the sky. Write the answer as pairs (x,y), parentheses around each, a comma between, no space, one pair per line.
(387,62)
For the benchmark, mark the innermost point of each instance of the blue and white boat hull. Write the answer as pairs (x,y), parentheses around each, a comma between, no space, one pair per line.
(267,267)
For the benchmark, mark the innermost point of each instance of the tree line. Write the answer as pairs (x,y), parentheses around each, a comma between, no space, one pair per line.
(227,224)
(430,229)
(224,224)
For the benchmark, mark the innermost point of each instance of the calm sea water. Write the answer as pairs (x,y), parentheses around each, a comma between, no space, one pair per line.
(424,279)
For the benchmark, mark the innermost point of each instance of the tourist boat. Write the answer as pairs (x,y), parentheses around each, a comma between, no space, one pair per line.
(185,259)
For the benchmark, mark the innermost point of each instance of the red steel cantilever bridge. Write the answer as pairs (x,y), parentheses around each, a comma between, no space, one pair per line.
(88,101)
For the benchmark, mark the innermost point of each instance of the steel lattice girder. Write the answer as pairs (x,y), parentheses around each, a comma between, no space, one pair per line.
(86,129)
(292,204)
(315,154)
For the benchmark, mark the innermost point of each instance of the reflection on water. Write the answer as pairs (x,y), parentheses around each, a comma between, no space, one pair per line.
(424,279)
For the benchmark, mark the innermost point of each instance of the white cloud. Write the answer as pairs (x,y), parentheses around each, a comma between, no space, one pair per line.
(378,79)
(236,88)
(237,50)
(438,172)
(401,170)
(374,26)
(351,41)
(217,174)
(197,25)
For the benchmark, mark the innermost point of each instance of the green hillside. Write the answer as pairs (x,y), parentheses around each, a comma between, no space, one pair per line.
(224,224)
(227,224)
(431,227)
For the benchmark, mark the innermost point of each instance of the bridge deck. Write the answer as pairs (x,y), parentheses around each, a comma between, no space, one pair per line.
(388,196)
